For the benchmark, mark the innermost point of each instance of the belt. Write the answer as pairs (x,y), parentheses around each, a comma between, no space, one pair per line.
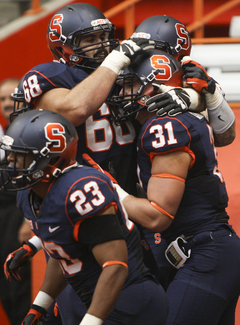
(179,250)
(206,236)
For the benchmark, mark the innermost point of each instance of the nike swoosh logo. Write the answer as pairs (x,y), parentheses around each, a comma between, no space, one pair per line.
(53,229)
(219,117)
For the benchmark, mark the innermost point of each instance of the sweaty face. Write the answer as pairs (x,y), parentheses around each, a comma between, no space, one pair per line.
(94,50)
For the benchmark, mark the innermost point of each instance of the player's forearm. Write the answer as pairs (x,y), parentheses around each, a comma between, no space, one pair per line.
(222,119)
(88,96)
(142,211)
(85,98)
(54,281)
(226,138)
(92,92)
(107,290)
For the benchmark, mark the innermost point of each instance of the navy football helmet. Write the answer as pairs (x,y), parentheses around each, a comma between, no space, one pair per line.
(20,105)
(45,142)
(169,34)
(150,69)
(65,31)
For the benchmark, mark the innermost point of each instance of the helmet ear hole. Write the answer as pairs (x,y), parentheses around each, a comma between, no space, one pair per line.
(60,49)
(54,161)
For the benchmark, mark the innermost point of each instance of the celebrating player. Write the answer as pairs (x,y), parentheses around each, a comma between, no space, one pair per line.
(76,213)
(173,37)
(80,37)
(185,199)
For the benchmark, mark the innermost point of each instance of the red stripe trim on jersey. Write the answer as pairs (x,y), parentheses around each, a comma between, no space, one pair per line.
(156,206)
(76,228)
(165,175)
(173,118)
(35,71)
(67,196)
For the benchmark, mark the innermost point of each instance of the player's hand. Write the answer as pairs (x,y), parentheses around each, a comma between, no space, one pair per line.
(170,101)
(35,316)
(18,259)
(135,46)
(92,163)
(197,77)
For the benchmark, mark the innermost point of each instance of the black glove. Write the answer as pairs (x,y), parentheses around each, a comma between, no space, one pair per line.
(35,316)
(197,77)
(17,259)
(135,46)
(172,101)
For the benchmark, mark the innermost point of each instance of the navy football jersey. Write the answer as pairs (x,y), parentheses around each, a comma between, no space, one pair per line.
(112,146)
(79,194)
(205,198)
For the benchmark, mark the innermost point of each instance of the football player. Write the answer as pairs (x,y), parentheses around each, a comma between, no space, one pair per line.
(173,37)
(80,37)
(186,197)
(76,212)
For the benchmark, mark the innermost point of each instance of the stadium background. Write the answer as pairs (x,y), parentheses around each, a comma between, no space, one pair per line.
(23,44)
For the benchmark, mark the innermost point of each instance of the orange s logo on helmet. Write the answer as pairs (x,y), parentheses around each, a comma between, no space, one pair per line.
(161,63)
(55,25)
(55,133)
(166,71)
(183,36)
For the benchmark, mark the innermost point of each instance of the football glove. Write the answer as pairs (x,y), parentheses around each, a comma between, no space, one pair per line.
(171,101)
(196,76)
(135,46)
(35,316)
(90,162)
(18,259)
(126,52)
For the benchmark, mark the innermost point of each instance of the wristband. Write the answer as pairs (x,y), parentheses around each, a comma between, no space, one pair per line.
(194,97)
(121,193)
(185,58)
(35,241)
(213,100)
(43,300)
(221,117)
(91,320)
(115,61)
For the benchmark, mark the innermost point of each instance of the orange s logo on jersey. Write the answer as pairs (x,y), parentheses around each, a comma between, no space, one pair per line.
(161,63)
(157,237)
(55,25)
(54,132)
(183,39)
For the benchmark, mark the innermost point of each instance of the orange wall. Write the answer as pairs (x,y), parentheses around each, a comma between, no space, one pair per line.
(181,10)
(28,47)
